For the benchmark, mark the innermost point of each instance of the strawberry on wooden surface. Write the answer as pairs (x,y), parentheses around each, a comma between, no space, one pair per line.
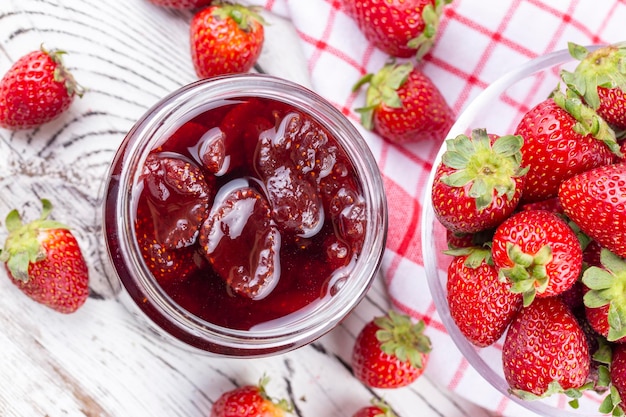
(35,90)
(400,28)
(225,38)
(557,146)
(43,260)
(403,105)
(595,201)
(538,252)
(479,181)
(600,79)
(481,305)
(390,351)
(250,401)
(545,351)
(378,408)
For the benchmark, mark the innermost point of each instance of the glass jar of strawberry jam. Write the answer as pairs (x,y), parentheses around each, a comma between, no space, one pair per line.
(244,216)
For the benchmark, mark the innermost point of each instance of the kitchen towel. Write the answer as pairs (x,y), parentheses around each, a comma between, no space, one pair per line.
(478,41)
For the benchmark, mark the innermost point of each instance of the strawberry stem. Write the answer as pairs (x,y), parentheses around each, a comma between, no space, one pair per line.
(401,337)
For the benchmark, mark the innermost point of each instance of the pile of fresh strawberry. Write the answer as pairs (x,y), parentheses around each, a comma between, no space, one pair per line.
(536,227)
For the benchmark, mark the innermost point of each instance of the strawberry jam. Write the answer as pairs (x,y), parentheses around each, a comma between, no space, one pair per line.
(244,216)
(260,206)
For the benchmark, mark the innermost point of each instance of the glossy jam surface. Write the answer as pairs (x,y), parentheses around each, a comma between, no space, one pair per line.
(249,212)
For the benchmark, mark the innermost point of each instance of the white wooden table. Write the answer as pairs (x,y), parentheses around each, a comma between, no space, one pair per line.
(99,362)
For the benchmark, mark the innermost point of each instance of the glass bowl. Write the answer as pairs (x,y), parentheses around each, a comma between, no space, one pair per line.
(499,108)
(335,293)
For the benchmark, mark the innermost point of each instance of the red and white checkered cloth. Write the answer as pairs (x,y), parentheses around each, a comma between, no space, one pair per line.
(478,41)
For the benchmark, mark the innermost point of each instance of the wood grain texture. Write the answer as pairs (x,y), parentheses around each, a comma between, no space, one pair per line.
(100,361)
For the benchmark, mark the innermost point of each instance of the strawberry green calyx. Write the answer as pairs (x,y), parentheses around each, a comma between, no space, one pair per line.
(607,285)
(604,67)
(476,255)
(431,15)
(281,403)
(22,246)
(528,275)
(385,409)
(588,121)
(242,15)
(555,388)
(383,89)
(488,167)
(401,337)
(61,74)
(611,405)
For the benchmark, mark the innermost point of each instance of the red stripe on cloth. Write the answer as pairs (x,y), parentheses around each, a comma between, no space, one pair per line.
(426,316)
(502,405)
(404,222)
(320,46)
(458,375)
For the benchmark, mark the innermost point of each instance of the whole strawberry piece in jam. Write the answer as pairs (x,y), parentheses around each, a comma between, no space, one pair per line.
(479,181)
(225,38)
(43,260)
(249,401)
(37,89)
(403,105)
(538,252)
(345,204)
(390,351)
(480,303)
(377,409)
(600,79)
(595,201)
(241,241)
(178,196)
(167,265)
(181,4)
(292,194)
(558,146)
(604,299)
(401,28)
(545,350)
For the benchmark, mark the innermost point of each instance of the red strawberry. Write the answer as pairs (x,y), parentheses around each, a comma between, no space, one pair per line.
(225,38)
(403,105)
(178,196)
(167,265)
(479,181)
(605,300)
(242,243)
(545,350)
(401,28)
(595,201)
(43,260)
(538,253)
(600,79)
(36,90)
(377,409)
(390,351)
(557,146)
(249,401)
(181,4)
(480,303)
